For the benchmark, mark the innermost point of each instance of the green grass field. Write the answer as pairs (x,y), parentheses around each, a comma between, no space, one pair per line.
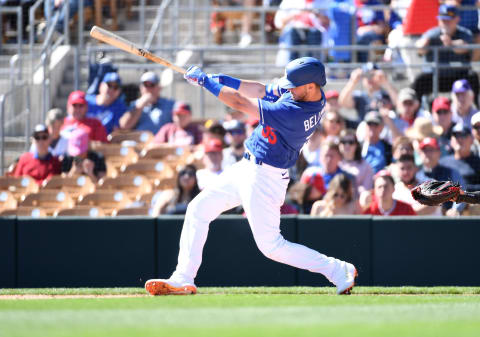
(298,311)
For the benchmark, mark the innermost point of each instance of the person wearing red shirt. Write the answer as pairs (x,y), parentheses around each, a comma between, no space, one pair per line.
(77,109)
(383,202)
(182,132)
(39,164)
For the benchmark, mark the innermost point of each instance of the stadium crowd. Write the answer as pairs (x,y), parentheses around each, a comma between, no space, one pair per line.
(363,162)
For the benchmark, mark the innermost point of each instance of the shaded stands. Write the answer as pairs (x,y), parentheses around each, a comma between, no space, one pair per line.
(136,171)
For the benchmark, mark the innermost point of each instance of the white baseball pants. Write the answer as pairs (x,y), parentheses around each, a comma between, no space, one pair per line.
(260,189)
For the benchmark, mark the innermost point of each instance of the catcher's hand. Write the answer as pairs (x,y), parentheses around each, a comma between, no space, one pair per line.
(433,193)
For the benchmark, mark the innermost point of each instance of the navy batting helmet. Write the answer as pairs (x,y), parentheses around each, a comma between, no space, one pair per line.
(302,71)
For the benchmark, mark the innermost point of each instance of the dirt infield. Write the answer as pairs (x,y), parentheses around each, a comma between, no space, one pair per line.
(42,297)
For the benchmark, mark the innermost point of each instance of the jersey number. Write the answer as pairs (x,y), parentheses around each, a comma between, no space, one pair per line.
(269,133)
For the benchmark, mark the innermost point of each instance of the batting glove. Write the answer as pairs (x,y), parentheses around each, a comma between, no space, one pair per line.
(195,76)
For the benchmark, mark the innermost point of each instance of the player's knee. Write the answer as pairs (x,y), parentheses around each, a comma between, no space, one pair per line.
(198,208)
(272,248)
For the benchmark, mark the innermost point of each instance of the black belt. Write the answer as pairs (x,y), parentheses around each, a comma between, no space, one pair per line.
(248,156)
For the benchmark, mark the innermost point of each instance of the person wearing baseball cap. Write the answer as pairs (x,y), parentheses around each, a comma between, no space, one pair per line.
(475,123)
(212,160)
(150,111)
(376,151)
(109,105)
(430,154)
(77,118)
(448,33)
(80,160)
(39,164)
(235,138)
(463,107)
(289,112)
(463,160)
(181,132)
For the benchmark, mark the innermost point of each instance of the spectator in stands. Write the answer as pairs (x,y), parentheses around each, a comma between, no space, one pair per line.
(463,159)
(251,123)
(353,163)
(469,20)
(332,100)
(447,34)
(371,26)
(401,146)
(475,122)
(311,149)
(213,129)
(54,8)
(376,152)
(331,125)
(12,19)
(213,162)
(381,202)
(406,35)
(236,135)
(373,80)
(308,190)
(82,161)
(39,164)
(442,116)
(407,170)
(339,199)
(58,143)
(301,22)
(181,132)
(431,170)
(330,158)
(408,109)
(175,201)
(109,105)
(462,107)
(77,110)
(422,128)
(149,112)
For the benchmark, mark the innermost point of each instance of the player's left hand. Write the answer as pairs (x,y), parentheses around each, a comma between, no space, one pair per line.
(195,76)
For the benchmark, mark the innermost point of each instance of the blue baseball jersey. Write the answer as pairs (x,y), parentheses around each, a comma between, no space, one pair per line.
(285,126)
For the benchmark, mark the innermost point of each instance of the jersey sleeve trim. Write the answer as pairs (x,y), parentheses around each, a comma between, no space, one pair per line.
(260,108)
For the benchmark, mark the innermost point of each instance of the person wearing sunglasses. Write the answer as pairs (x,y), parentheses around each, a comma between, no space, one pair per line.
(376,151)
(352,161)
(235,137)
(109,105)
(339,199)
(175,201)
(442,115)
(39,164)
(463,159)
(150,111)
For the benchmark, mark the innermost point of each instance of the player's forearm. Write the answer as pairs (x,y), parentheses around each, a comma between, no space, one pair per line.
(237,101)
(252,89)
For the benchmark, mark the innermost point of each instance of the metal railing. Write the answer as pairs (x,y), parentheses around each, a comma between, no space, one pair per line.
(16,102)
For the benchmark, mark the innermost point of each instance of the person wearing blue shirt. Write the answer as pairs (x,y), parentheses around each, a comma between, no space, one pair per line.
(150,111)
(288,116)
(109,105)
(375,151)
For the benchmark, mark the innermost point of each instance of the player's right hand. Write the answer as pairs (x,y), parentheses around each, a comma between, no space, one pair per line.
(195,76)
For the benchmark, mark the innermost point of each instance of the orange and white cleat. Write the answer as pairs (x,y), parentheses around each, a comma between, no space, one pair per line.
(167,287)
(350,273)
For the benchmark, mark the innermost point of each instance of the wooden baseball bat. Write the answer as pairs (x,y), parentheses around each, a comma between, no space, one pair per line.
(121,43)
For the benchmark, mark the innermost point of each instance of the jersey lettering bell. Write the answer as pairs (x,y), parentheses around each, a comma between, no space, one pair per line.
(285,125)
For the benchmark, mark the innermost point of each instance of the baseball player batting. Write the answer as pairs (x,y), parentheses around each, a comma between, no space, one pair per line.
(289,112)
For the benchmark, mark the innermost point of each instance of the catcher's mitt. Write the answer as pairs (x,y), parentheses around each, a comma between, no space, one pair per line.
(433,193)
